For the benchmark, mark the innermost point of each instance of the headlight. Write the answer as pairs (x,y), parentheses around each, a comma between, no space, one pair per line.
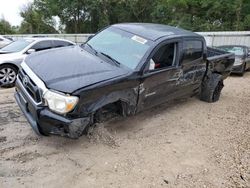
(60,103)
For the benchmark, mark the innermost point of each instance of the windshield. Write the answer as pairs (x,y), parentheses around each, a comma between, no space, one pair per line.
(126,48)
(17,46)
(238,51)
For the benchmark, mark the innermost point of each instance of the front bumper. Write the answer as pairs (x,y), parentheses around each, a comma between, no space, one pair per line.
(45,122)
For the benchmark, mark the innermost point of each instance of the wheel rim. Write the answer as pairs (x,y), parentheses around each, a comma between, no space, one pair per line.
(7,76)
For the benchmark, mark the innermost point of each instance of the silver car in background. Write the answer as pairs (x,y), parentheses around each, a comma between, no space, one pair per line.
(242,57)
(12,55)
(4,41)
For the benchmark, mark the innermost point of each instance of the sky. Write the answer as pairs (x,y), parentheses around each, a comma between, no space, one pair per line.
(9,9)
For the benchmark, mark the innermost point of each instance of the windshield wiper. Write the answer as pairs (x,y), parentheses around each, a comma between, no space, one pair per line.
(92,48)
(111,58)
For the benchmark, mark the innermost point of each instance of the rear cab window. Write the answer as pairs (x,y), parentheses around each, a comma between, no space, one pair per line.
(192,50)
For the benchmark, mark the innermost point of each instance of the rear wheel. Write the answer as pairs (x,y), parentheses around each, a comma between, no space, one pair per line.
(211,88)
(8,75)
(217,91)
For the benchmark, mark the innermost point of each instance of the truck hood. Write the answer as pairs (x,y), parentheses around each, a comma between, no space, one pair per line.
(71,68)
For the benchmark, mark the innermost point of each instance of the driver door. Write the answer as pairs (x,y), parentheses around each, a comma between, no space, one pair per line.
(160,84)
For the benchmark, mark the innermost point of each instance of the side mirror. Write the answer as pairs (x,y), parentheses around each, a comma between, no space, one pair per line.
(151,65)
(248,54)
(30,51)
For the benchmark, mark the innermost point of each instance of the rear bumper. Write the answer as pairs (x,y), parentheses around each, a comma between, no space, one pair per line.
(45,122)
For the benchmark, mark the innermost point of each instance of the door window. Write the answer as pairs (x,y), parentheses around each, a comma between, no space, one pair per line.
(58,43)
(43,45)
(192,50)
(164,57)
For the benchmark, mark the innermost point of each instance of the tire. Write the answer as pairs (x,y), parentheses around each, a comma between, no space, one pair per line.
(8,75)
(211,88)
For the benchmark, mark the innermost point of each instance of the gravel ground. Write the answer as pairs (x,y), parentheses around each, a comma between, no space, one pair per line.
(185,144)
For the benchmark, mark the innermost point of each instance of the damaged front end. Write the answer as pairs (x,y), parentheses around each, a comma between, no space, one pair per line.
(37,110)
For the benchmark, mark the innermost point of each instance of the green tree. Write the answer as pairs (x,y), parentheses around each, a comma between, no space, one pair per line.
(72,13)
(79,16)
(5,27)
(34,22)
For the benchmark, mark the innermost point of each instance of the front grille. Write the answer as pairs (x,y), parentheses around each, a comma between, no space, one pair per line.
(30,86)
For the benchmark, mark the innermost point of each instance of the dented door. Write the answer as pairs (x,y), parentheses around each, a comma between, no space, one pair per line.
(192,64)
(159,87)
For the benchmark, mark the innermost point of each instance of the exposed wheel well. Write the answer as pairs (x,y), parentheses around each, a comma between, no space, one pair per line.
(11,64)
(111,110)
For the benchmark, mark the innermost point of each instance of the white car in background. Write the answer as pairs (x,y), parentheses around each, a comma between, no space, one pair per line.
(12,55)
(4,41)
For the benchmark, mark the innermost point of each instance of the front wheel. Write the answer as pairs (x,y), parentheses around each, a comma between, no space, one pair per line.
(211,88)
(8,75)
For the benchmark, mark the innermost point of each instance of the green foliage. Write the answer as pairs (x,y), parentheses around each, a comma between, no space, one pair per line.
(197,15)
(88,16)
(6,28)
(203,15)
(35,22)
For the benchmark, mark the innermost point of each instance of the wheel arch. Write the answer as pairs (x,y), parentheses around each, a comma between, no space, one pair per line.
(125,100)
(11,64)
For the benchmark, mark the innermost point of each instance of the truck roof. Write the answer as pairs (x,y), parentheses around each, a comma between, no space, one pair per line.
(152,31)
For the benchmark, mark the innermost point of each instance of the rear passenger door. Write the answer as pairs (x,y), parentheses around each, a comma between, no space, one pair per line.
(192,64)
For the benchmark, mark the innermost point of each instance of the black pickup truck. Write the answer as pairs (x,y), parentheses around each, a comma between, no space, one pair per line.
(125,69)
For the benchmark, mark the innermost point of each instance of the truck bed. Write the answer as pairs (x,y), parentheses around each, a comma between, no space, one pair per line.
(220,61)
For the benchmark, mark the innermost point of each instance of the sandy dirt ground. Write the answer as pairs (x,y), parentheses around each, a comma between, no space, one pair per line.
(185,144)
